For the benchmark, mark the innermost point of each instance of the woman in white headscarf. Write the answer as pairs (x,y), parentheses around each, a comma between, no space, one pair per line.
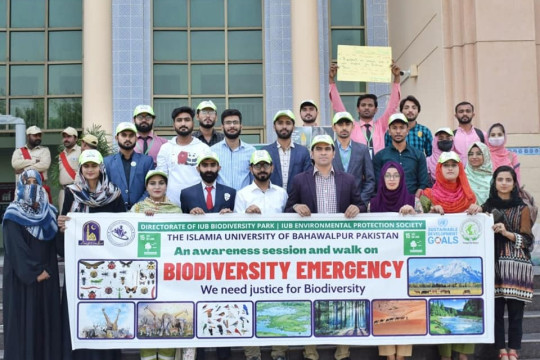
(479,170)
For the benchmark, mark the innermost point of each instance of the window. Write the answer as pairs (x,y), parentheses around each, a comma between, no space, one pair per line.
(41,61)
(209,49)
(347,27)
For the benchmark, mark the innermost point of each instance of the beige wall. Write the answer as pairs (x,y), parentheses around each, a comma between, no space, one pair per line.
(305,42)
(483,51)
(97,64)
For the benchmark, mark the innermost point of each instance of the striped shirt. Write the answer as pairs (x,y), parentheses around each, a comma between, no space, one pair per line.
(234,164)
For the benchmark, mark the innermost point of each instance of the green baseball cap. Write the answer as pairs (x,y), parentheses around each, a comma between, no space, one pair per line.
(446,130)
(448,155)
(326,139)
(308,102)
(90,156)
(207,155)
(125,126)
(342,115)
(155,172)
(397,117)
(287,113)
(260,156)
(139,109)
(206,104)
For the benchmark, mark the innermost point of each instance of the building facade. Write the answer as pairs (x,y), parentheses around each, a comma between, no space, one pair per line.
(90,62)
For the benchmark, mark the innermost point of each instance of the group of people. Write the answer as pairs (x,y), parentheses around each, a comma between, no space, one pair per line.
(392,164)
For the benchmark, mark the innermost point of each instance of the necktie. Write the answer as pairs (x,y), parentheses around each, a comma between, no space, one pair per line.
(145,145)
(209,204)
(368,136)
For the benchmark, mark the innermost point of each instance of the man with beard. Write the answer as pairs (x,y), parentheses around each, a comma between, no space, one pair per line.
(208,196)
(68,160)
(309,112)
(466,133)
(178,157)
(367,131)
(289,158)
(127,169)
(419,135)
(411,159)
(148,143)
(233,152)
(32,155)
(352,157)
(207,115)
(261,196)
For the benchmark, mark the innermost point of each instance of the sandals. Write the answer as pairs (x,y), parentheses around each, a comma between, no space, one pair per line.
(503,355)
(513,355)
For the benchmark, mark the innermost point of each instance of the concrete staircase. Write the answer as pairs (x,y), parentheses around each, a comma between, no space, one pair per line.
(530,347)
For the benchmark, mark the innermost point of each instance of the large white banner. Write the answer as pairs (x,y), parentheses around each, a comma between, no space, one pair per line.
(135,281)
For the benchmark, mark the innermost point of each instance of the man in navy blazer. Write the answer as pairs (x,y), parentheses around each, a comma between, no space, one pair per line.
(352,157)
(297,155)
(127,164)
(207,196)
(304,195)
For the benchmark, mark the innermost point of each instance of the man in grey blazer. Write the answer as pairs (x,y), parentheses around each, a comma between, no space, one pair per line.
(352,157)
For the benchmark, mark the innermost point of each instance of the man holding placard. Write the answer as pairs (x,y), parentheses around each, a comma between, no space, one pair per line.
(367,131)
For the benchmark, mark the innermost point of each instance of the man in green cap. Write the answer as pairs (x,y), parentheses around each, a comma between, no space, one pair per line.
(412,160)
(207,116)
(148,143)
(127,169)
(288,158)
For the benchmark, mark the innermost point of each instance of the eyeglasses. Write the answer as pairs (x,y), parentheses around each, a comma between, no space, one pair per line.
(208,112)
(475,154)
(392,176)
(263,166)
(144,117)
(232,122)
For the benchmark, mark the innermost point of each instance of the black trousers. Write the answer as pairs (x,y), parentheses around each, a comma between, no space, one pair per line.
(223,353)
(515,322)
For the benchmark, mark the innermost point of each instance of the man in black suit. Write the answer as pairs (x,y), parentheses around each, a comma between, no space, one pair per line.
(208,196)
(352,157)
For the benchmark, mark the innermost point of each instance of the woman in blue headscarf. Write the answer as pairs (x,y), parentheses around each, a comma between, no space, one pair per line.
(31,287)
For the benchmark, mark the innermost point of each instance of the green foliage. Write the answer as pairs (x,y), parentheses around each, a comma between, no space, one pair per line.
(473,307)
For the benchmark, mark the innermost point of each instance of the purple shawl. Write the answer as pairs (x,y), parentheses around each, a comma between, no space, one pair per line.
(391,200)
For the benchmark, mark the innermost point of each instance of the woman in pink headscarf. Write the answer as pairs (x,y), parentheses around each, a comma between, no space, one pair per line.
(500,155)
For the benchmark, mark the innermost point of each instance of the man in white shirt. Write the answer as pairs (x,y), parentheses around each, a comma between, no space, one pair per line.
(261,196)
(178,157)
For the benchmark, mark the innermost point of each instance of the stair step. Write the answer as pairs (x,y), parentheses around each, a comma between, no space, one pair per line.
(531,322)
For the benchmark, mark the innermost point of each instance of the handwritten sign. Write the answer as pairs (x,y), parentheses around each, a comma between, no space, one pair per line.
(364,63)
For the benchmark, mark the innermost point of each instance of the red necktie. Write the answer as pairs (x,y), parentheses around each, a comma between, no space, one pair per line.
(209,204)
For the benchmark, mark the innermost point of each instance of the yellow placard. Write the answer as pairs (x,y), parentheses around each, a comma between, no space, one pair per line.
(364,63)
